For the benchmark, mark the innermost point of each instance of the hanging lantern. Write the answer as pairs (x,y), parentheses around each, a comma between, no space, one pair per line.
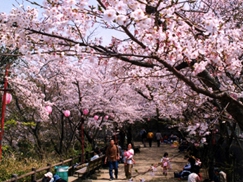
(8,98)
(85,112)
(96,117)
(106,117)
(49,109)
(66,113)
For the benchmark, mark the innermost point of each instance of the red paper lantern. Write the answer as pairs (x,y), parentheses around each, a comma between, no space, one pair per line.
(85,112)
(66,113)
(49,109)
(8,98)
(96,117)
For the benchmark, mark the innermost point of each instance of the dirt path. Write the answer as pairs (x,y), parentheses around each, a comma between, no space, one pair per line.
(144,159)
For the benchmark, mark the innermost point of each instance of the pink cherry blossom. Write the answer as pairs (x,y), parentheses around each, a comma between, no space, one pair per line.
(110,15)
(138,14)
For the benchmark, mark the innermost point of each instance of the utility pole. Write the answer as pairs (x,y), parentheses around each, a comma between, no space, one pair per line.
(3,108)
(82,140)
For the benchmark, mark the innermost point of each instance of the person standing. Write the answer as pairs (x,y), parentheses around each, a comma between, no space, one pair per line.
(128,161)
(112,157)
(158,137)
(150,137)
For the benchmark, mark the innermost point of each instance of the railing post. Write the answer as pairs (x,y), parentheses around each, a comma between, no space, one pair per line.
(15,176)
(33,176)
(80,158)
(71,163)
(49,169)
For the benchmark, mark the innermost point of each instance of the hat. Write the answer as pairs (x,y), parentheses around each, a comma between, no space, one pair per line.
(56,177)
(49,175)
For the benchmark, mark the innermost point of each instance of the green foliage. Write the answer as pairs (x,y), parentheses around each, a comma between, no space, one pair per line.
(29,124)
(88,147)
(6,149)
(88,150)
(10,124)
(26,148)
(13,164)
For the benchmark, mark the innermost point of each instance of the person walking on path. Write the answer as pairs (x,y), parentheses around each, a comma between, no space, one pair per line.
(112,157)
(150,137)
(128,161)
(158,137)
(143,135)
(165,163)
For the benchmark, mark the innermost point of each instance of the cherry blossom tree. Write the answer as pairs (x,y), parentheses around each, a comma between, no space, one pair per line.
(70,88)
(174,55)
(207,47)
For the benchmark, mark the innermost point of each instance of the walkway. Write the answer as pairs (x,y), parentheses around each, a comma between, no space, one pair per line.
(144,159)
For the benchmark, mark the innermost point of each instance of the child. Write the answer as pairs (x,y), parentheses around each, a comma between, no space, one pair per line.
(128,155)
(152,169)
(165,163)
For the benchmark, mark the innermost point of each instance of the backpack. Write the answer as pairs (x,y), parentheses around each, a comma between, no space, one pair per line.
(150,135)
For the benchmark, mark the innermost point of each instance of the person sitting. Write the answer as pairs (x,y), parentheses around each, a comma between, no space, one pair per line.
(187,169)
(219,176)
(194,177)
(58,179)
(96,156)
(165,139)
(197,166)
(98,151)
(48,177)
(172,138)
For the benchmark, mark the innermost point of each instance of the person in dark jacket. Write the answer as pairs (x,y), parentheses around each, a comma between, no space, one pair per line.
(58,179)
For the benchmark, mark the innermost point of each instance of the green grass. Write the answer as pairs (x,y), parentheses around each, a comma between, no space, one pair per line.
(13,165)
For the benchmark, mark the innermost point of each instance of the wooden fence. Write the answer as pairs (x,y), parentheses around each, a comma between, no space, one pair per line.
(39,173)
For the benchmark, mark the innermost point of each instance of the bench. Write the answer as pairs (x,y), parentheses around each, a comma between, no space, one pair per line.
(90,168)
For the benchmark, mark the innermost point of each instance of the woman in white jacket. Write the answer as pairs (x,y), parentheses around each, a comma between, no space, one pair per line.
(128,161)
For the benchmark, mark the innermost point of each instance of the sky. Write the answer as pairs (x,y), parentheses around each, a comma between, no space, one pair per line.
(7,5)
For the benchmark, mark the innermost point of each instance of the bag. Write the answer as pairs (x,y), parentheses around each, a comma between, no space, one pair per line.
(150,135)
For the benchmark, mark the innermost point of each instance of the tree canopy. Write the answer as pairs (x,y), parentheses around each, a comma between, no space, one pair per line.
(163,59)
